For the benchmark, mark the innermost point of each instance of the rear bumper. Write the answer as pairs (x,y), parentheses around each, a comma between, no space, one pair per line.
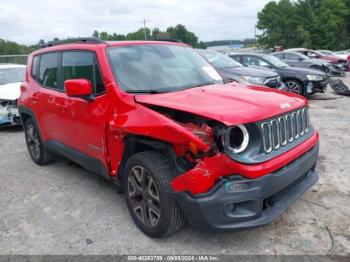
(238,203)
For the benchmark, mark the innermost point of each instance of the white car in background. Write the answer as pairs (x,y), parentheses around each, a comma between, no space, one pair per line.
(343,54)
(11,78)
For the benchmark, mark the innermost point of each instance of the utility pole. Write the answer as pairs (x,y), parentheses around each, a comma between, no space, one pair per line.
(144,28)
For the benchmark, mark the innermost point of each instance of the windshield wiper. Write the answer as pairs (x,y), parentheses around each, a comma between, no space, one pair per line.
(201,84)
(143,91)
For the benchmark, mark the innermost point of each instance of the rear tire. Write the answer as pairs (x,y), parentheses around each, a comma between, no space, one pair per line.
(36,148)
(148,194)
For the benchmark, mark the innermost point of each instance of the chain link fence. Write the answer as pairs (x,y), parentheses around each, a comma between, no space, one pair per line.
(13,59)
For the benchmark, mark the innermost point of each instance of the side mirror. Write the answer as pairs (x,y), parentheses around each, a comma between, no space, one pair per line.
(300,59)
(81,88)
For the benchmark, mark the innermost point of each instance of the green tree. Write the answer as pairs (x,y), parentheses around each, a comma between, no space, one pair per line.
(317,24)
(180,32)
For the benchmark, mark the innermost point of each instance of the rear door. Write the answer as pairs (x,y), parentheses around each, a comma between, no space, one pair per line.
(47,95)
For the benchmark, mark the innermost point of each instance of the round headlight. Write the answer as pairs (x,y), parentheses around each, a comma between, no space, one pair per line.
(236,138)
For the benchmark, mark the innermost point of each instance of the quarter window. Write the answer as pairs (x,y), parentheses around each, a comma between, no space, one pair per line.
(48,70)
(35,66)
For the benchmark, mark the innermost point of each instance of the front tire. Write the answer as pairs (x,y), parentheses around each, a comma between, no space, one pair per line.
(295,86)
(148,194)
(36,148)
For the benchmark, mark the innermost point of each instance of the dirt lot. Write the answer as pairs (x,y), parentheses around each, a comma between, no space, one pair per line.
(63,209)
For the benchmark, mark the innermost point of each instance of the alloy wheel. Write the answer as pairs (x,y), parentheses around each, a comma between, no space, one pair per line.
(144,196)
(33,142)
(294,87)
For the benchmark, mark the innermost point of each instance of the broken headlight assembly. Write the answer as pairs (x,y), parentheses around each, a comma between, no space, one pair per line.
(235,139)
(240,142)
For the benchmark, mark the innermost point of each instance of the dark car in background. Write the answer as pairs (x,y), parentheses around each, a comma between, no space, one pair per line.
(301,60)
(231,70)
(302,81)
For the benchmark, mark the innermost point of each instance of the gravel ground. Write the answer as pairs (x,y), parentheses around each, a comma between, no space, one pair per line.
(63,209)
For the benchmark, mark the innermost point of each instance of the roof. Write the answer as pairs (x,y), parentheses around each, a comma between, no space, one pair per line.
(3,66)
(89,45)
(297,49)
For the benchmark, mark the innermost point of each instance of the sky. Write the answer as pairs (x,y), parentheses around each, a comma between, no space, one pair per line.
(28,21)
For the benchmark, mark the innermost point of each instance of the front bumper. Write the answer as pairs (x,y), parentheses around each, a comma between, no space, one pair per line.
(9,114)
(237,204)
(314,87)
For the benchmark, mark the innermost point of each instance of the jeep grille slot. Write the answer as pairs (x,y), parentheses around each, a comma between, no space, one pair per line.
(280,131)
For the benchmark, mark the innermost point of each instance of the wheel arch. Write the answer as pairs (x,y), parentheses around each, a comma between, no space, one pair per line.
(26,113)
(137,143)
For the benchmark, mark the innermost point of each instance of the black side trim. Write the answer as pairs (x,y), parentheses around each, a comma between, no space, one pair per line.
(90,163)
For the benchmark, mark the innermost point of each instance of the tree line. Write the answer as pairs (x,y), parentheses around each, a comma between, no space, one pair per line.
(315,24)
(178,32)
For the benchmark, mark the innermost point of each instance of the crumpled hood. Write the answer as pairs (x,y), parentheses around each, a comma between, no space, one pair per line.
(230,104)
(10,91)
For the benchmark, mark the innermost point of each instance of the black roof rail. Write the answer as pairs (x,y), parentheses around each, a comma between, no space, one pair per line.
(87,40)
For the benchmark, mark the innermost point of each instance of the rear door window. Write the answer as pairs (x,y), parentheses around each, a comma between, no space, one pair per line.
(48,70)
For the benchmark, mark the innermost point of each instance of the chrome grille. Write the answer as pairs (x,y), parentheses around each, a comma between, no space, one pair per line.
(285,129)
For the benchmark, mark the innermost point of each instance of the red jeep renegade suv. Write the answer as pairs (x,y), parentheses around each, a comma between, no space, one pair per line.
(157,120)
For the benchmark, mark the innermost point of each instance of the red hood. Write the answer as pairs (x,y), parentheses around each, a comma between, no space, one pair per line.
(230,104)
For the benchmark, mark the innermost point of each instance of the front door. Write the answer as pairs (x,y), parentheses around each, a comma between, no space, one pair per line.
(84,121)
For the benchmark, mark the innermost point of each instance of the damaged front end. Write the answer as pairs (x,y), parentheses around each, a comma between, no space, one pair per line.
(9,115)
(250,150)
(250,174)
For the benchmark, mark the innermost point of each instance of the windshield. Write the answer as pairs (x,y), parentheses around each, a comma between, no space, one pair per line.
(156,68)
(325,52)
(275,61)
(304,57)
(219,60)
(11,75)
